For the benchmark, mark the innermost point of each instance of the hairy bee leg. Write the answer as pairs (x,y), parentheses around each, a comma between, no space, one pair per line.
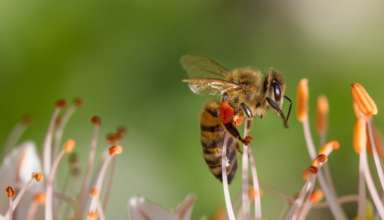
(227,114)
(236,134)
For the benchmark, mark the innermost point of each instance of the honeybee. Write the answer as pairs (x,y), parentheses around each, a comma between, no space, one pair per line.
(244,93)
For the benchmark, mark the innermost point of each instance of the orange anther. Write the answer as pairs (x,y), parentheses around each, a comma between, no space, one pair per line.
(96,120)
(322,110)
(302,96)
(10,191)
(61,103)
(363,100)
(316,196)
(359,135)
(69,146)
(39,198)
(38,176)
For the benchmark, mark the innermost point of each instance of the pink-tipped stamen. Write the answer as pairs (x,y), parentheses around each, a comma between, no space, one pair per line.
(68,148)
(59,131)
(16,134)
(245,204)
(255,186)
(47,151)
(20,195)
(96,121)
(112,151)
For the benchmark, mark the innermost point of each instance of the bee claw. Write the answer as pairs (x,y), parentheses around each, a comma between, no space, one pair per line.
(247,140)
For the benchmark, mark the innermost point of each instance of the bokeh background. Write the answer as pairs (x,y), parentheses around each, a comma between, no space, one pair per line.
(122,58)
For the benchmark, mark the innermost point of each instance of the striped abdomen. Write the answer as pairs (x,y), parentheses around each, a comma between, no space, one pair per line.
(212,138)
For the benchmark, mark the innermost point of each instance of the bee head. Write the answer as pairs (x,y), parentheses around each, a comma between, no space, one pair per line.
(274,91)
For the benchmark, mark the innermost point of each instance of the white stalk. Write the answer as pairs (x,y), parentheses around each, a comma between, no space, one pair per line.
(371,185)
(227,195)
(376,158)
(47,152)
(245,204)
(330,197)
(256,187)
(50,186)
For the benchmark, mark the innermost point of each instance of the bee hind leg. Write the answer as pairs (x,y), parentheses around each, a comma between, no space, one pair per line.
(236,134)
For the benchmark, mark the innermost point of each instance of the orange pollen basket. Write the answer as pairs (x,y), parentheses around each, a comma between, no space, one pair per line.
(226,112)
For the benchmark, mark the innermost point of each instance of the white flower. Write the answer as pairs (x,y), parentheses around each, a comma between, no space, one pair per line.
(141,209)
(16,171)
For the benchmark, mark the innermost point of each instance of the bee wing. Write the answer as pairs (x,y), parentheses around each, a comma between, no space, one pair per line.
(202,67)
(209,86)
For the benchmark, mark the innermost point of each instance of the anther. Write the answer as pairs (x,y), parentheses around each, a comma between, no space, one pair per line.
(69,146)
(322,109)
(115,150)
(78,102)
(96,120)
(363,100)
(26,120)
(316,196)
(359,135)
(61,103)
(39,198)
(302,97)
(94,192)
(10,191)
(92,215)
(38,176)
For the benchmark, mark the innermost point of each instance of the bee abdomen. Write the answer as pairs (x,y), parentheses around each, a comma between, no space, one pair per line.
(212,139)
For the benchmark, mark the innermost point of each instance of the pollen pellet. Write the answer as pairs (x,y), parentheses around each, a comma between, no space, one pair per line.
(363,100)
(302,97)
(10,191)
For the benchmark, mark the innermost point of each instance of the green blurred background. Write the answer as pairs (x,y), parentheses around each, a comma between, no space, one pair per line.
(122,58)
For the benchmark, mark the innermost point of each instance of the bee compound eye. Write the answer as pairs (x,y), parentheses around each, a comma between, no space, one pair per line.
(276,91)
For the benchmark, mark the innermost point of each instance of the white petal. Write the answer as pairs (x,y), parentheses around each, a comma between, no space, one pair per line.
(141,209)
(16,170)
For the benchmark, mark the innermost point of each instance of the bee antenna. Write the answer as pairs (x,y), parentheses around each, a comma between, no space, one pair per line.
(277,108)
(290,106)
